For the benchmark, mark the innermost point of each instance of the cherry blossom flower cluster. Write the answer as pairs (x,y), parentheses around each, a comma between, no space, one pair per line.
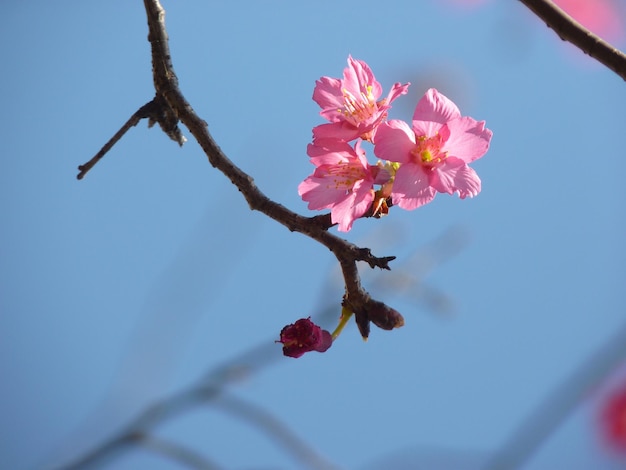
(415,161)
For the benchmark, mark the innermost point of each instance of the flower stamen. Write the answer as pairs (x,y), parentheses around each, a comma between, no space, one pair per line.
(428,151)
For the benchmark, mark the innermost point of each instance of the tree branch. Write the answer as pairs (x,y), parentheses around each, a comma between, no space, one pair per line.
(210,389)
(275,429)
(170,106)
(570,30)
(176,452)
(143,112)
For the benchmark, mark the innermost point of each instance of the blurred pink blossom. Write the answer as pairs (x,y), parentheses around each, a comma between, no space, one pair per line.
(434,153)
(601,17)
(613,419)
(352,105)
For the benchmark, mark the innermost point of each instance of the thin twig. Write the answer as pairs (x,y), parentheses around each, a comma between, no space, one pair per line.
(174,451)
(568,29)
(203,392)
(138,115)
(276,429)
(210,387)
(169,106)
(155,111)
(140,425)
(106,451)
(197,395)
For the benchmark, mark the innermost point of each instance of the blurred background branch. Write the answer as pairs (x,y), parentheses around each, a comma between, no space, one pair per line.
(212,388)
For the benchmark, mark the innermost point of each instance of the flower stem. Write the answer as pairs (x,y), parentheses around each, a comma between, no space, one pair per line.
(345,316)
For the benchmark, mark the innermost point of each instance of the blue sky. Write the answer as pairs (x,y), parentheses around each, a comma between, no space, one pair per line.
(128,286)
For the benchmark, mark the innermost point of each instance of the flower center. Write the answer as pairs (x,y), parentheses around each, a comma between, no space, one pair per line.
(345,175)
(359,108)
(428,152)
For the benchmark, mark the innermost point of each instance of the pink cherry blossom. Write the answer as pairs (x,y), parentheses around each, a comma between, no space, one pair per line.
(342,182)
(352,105)
(434,153)
(304,336)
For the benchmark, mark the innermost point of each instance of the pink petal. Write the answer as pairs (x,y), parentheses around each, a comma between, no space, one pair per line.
(468,139)
(325,341)
(432,111)
(328,95)
(360,153)
(358,76)
(396,91)
(353,206)
(411,188)
(380,175)
(454,175)
(329,152)
(342,131)
(319,193)
(394,141)
(333,152)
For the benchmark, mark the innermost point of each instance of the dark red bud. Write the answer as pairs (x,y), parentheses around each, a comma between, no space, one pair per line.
(304,336)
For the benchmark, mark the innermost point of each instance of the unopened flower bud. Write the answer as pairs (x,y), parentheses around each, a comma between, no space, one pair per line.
(304,336)
(384,316)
